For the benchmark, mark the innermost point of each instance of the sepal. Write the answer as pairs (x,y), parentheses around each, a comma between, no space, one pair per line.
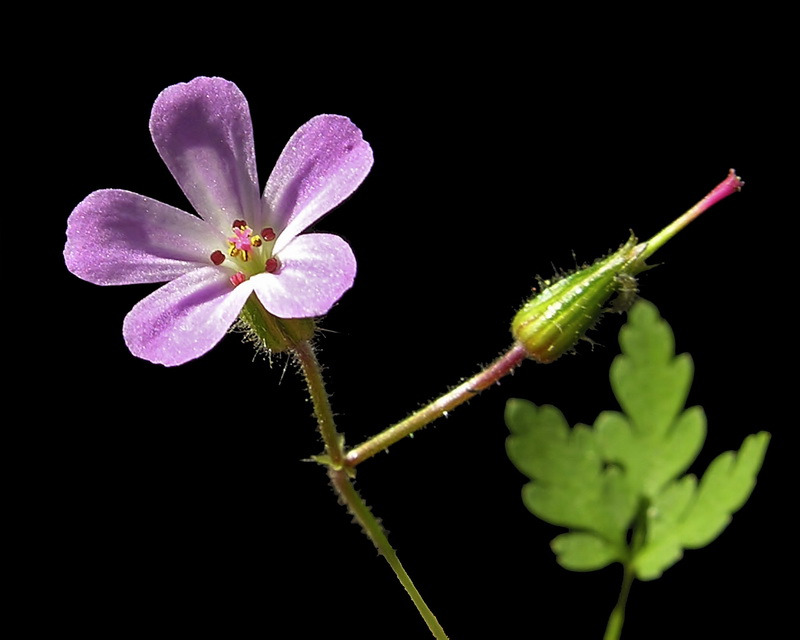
(277,335)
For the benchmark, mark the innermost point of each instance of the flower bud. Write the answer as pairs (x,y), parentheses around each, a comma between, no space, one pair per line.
(551,323)
(274,334)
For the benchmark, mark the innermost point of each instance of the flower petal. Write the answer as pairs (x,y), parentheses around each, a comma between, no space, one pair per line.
(185,318)
(119,237)
(322,164)
(316,269)
(203,131)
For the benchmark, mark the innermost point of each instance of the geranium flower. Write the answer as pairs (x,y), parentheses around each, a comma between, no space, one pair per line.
(241,244)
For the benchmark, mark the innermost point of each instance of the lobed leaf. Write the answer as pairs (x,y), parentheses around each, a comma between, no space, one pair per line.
(623,472)
(572,486)
(685,516)
(649,382)
(584,551)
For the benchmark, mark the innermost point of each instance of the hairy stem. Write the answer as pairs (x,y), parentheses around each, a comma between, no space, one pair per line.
(374,531)
(504,365)
(312,372)
(344,487)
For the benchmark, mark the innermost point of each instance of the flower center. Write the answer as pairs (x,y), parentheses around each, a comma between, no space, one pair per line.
(247,253)
(243,241)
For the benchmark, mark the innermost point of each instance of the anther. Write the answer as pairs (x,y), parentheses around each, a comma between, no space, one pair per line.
(237,278)
(272,265)
(268,234)
(238,224)
(218,257)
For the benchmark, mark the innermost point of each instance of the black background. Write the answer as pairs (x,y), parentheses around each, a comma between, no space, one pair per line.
(178,498)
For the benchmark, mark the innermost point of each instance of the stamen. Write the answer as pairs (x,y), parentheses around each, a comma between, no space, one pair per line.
(217,257)
(268,234)
(242,254)
(272,265)
(237,278)
(255,241)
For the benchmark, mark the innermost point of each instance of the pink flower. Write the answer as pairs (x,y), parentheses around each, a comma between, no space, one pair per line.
(241,244)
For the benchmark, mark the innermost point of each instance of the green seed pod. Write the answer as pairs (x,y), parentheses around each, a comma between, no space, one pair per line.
(274,334)
(551,323)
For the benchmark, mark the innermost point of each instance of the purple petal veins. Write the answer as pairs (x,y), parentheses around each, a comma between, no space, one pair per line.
(313,269)
(241,244)
(119,237)
(203,132)
(321,165)
(184,318)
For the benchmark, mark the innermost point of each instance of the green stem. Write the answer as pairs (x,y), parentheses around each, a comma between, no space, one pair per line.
(374,531)
(344,487)
(617,618)
(728,186)
(504,365)
(312,371)
(638,540)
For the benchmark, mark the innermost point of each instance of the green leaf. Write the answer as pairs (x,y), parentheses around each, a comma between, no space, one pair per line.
(572,486)
(685,516)
(583,551)
(624,472)
(650,383)
(654,441)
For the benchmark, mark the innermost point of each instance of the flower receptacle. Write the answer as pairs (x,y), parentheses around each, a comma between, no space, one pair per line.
(552,322)
(277,335)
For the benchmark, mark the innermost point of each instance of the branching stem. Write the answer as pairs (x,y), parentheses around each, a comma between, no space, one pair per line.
(344,487)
